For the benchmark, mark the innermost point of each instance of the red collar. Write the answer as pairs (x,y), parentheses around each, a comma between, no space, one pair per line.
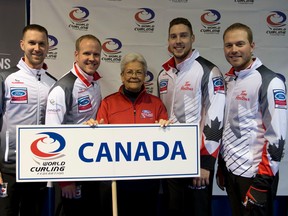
(96,76)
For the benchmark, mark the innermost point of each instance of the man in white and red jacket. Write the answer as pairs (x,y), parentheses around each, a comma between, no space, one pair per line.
(254,128)
(74,99)
(192,89)
(23,96)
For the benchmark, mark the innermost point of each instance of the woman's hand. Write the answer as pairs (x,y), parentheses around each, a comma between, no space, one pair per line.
(163,122)
(93,122)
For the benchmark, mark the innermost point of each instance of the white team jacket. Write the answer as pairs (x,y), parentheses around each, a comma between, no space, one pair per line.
(255,121)
(24,94)
(194,92)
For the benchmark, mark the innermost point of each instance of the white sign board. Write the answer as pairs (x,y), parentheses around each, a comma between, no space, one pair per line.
(107,152)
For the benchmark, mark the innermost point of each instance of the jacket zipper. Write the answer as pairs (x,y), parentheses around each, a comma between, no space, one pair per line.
(38,98)
(7,147)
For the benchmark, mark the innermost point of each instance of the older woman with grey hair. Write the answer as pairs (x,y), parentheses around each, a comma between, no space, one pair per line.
(133,72)
(132,105)
(132,57)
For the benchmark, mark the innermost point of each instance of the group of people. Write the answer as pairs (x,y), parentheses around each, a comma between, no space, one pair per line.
(242,119)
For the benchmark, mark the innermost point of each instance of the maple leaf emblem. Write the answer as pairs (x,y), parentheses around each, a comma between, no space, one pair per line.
(214,132)
(276,152)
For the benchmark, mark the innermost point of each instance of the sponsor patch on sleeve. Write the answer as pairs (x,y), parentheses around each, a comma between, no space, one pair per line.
(19,95)
(84,104)
(280,99)
(218,84)
(163,86)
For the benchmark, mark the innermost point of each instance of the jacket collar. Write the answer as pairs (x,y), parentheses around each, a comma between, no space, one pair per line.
(256,63)
(85,78)
(172,64)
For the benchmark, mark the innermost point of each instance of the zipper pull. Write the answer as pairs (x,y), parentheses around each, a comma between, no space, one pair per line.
(38,76)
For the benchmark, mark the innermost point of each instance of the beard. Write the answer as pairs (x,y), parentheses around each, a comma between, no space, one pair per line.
(181,56)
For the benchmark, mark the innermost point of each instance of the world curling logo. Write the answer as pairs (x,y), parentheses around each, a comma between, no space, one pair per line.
(211,22)
(144,20)
(149,82)
(276,23)
(112,50)
(79,18)
(53,42)
(47,150)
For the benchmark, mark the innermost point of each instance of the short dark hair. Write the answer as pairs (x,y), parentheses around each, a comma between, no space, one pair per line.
(35,27)
(87,36)
(241,26)
(181,20)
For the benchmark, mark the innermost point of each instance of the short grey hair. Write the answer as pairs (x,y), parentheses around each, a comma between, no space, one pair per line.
(132,57)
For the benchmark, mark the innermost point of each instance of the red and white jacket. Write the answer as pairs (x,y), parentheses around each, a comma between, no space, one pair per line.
(74,99)
(194,92)
(255,121)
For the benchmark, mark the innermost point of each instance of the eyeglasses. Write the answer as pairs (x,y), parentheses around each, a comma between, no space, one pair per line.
(130,73)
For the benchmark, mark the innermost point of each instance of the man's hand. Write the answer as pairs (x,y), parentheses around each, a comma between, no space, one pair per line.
(203,180)
(220,179)
(69,191)
(1,180)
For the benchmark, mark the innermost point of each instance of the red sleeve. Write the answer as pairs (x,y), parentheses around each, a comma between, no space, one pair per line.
(102,112)
(162,114)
